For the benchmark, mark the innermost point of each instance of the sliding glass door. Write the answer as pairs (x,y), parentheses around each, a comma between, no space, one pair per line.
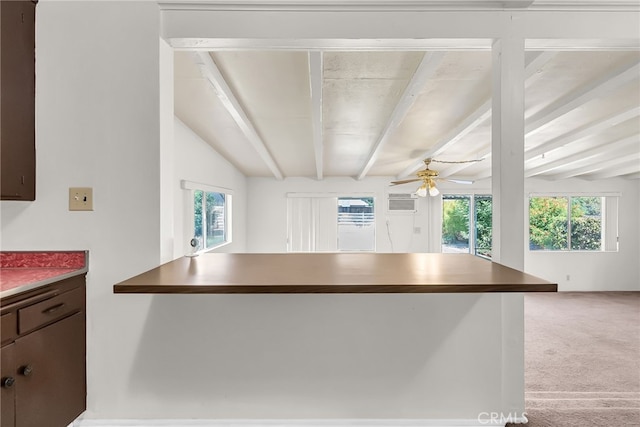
(466,224)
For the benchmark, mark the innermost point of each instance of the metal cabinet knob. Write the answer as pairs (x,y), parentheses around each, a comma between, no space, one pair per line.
(26,370)
(8,382)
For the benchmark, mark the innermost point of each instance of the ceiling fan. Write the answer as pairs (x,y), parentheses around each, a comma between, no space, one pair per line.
(430,176)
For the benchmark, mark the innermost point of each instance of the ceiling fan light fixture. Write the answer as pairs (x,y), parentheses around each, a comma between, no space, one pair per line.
(430,176)
(433,191)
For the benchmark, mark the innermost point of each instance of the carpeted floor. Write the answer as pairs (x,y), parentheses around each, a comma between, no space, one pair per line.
(582,359)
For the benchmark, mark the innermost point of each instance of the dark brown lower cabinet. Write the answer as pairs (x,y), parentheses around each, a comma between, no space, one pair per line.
(48,395)
(43,368)
(7,389)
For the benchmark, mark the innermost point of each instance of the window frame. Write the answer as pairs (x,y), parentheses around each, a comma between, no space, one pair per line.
(569,199)
(191,188)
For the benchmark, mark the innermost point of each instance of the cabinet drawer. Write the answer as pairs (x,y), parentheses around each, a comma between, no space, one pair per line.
(9,327)
(46,311)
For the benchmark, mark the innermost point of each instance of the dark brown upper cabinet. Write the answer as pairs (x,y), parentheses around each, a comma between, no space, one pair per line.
(17,100)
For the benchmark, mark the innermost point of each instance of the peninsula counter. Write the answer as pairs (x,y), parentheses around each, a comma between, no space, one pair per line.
(215,273)
(396,339)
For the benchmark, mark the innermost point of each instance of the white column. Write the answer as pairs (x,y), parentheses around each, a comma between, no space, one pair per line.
(507,147)
(167,178)
(508,207)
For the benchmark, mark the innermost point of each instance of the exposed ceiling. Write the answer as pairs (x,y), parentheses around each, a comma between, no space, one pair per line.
(379,113)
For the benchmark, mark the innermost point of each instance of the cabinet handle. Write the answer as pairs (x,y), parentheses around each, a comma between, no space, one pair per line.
(26,370)
(8,382)
(53,309)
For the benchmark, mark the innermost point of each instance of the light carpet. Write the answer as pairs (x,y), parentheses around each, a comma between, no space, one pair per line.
(582,359)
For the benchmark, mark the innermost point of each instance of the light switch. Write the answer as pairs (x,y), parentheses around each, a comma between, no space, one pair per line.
(80,199)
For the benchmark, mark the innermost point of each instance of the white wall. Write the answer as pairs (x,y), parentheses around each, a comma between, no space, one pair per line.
(593,271)
(97,125)
(267,218)
(99,113)
(315,357)
(196,161)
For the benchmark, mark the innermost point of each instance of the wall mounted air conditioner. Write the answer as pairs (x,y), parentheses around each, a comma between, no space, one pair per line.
(402,203)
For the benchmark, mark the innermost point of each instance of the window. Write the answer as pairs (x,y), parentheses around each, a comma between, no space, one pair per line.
(466,224)
(356,224)
(318,222)
(573,223)
(210,220)
(482,225)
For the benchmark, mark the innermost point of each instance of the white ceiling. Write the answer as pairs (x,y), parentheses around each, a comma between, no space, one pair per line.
(379,113)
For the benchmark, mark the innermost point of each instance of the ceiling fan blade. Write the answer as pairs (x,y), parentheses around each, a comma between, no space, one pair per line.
(405,181)
(455,161)
(457,181)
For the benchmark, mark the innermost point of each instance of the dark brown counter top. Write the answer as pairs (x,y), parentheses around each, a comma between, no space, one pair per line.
(331,273)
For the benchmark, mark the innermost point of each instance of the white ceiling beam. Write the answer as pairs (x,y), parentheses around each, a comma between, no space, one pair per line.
(534,62)
(404,24)
(592,5)
(383,5)
(604,163)
(472,121)
(421,44)
(212,74)
(580,133)
(315,83)
(591,90)
(603,85)
(482,175)
(631,167)
(602,157)
(593,153)
(483,153)
(424,71)
(608,155)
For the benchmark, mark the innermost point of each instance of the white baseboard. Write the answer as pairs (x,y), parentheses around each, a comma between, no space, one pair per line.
(480,422)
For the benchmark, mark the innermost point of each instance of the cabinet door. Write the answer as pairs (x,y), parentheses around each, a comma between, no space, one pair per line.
(17,98)
(53,391)
(7,388)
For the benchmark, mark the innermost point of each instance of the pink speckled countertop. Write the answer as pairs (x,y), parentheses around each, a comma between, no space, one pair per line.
(20,271)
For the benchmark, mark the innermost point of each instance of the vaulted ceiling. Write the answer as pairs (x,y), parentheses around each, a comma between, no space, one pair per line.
(379,113)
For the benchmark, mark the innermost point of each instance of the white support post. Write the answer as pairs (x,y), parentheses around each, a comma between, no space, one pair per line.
(507,147)
(168,249)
